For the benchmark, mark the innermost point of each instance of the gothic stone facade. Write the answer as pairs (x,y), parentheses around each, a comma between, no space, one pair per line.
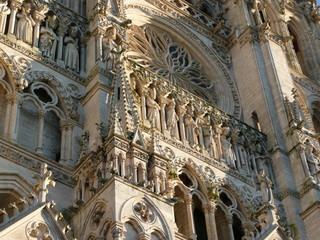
(159,119)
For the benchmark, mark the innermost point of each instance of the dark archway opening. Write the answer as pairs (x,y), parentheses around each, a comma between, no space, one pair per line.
(199,219)
(237,228)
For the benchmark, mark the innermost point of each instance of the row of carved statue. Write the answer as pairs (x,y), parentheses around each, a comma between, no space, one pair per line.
(202,132)
(39,27)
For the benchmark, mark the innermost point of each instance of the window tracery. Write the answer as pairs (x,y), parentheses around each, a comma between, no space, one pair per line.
(156,50)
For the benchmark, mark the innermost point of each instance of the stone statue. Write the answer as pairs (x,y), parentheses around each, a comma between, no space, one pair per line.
(265,187)
(208,136)
(191,128)
(48,38)
(311,159)
(153,108)
(84,145)
(227,152)
(108,44)
(71,57)
(172,118)
(4,12)
(25,24)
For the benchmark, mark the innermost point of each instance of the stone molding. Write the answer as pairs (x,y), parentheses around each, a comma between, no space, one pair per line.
(15,154)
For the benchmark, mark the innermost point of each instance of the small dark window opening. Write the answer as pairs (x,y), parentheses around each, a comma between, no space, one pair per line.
(118,93)
(80,194)
(186,181)
(225,199)
(255,120)
(237,228)
(57,156)
(43,95)
(199,219)
(262,17)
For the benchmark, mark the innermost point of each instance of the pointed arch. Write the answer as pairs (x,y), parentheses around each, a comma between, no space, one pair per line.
(308,57)
(12,69)
(67,101)
(243,196)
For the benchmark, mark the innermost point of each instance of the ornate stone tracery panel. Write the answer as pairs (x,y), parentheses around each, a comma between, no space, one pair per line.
(158,51)
(38,230)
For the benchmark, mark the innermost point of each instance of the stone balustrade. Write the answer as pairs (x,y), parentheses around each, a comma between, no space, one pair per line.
(214,21)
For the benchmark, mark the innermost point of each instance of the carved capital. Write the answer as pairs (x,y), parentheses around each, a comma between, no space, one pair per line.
(181,111)
(117,230)
(62,30)
(188,199)
(143,236)
(41,114)
(14,98)
(38,16)
(212,207)
(15,5)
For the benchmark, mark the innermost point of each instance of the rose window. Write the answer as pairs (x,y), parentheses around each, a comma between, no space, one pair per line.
(157,51)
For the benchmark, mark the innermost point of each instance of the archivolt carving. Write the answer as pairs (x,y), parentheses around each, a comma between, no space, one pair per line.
(158,51)
(67,99)
(98,214)
(244,194)
(205,173)
(11,67)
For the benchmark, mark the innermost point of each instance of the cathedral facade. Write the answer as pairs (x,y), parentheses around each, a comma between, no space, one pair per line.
(159,119)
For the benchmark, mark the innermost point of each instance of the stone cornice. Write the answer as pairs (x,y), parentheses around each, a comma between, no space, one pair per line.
(33,161)
(282,194)
(312,208)
(306,83)
(98,70)
(94,89)
(252,35)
